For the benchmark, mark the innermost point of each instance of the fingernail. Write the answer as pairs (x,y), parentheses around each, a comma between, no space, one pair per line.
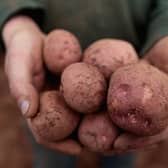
(24,106)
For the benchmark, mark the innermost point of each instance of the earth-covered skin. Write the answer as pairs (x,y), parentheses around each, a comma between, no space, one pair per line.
(83,87)
(97,132)
(61,48)
(138,99)
(55,120)
(110,54)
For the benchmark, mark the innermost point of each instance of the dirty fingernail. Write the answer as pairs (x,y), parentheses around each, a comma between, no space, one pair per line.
(24,106)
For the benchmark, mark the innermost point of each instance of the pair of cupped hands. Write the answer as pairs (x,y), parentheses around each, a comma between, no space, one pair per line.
(25,71)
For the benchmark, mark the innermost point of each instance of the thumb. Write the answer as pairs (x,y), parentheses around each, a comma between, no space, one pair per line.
(21,86)
(23,63)
(26,96)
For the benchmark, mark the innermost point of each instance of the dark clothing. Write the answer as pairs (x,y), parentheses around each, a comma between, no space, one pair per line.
(141,22)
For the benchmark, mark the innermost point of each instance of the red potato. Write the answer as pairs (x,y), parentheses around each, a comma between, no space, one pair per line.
(110,54)
(55,120)
(138,99)
(83,87)
(97,132)
(61,48)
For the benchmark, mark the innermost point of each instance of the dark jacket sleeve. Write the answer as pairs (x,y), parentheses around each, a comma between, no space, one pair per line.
(158,24)
(10,8)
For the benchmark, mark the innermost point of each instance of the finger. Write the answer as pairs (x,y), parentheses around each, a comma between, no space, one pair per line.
(116,152)
(112,152)
(38,80)
(18,70)
(125,151)
(150,147)
(67,146)
(88,159)
(109,153)
(128,141)
(141,149)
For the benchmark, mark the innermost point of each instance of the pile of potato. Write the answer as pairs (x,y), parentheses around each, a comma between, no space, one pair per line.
(102,91)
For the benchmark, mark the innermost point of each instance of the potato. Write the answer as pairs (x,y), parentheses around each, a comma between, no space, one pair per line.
(55,120)
(83,87)
(61,48)
(97,132)
(109,54)
(138,99)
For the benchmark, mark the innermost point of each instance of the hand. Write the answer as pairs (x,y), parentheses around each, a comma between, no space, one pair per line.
(67,146)
(25,72)
(126,142)
(23,62)
(131,143)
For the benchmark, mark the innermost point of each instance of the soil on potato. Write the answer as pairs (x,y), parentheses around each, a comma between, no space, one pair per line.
(15,149)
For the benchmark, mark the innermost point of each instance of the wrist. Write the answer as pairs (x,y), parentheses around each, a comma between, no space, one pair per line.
(16,26)
(159,47)
(158,54)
